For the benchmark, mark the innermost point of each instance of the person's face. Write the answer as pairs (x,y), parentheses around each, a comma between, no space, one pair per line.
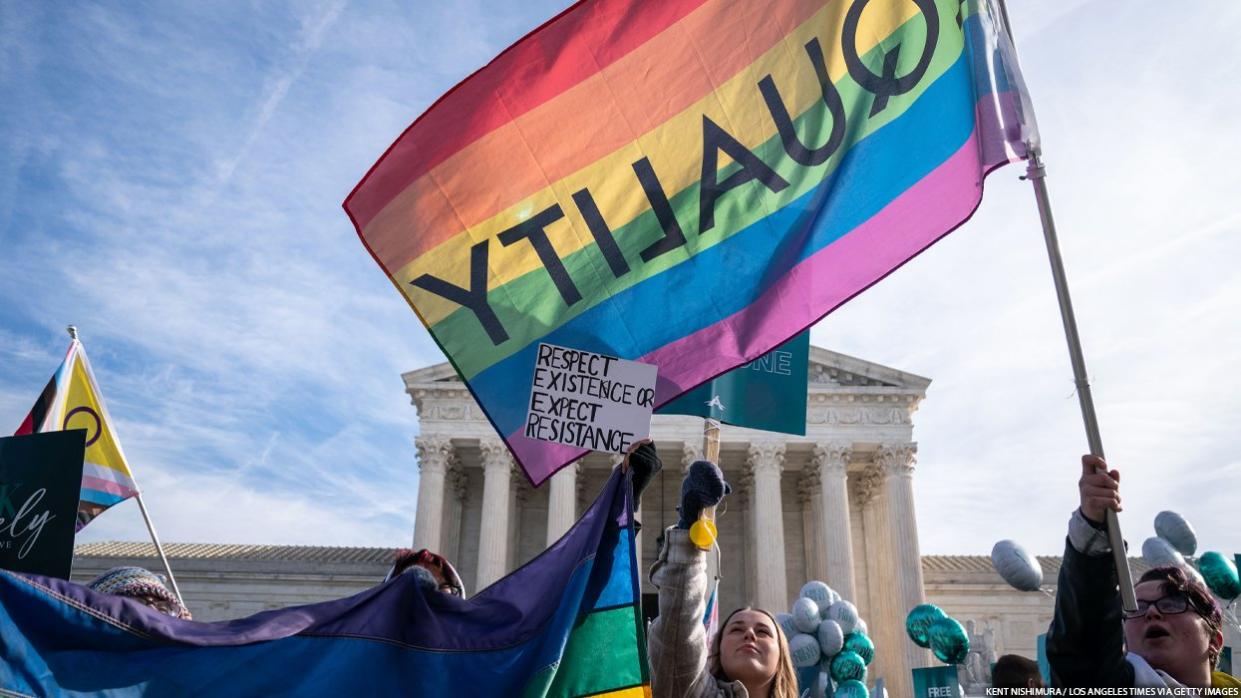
(749,647)
(1173,642)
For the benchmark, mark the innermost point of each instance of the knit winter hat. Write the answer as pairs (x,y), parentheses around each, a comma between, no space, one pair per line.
(141,585)
(435,570)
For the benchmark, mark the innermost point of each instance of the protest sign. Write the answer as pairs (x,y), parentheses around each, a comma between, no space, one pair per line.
(589,400)
(937,682)
(767,393)
(40,482)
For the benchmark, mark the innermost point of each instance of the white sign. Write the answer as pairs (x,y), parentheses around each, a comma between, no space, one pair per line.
(588,400)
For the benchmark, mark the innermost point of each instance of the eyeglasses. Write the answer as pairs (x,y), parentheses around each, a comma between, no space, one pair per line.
(1167,605)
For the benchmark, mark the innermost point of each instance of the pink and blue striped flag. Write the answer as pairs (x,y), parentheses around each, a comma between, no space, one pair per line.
(687,183)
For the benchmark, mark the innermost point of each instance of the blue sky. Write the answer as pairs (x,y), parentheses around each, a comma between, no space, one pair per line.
(171,177)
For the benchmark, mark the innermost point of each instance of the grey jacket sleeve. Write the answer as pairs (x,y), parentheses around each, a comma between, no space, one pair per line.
(677,640)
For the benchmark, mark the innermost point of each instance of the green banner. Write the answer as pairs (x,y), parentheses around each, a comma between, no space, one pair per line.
(768,393)
(40,482)
(937,682)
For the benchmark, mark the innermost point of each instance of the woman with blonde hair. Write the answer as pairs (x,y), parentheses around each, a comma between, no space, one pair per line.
(748,657)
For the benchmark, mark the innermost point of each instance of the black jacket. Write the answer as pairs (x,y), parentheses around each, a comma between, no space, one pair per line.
(1086,640)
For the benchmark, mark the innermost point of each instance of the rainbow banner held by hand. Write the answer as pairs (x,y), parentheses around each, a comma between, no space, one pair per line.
(686,183)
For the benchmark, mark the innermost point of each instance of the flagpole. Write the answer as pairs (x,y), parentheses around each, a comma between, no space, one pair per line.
(1036,173)
(159,549)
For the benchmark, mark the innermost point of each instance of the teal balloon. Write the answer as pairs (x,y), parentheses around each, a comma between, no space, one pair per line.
(852,689)
(848,666)
(918,623)
(948,641)
(1220,574)
(862,645)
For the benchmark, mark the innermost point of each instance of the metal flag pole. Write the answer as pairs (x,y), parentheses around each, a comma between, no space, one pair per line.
(1036,173)
(159,549)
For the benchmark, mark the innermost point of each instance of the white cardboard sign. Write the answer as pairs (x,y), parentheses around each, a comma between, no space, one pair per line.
(588,400)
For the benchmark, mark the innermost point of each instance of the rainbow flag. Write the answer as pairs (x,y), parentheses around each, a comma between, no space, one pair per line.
(71,400)
(687,183)
(567,623)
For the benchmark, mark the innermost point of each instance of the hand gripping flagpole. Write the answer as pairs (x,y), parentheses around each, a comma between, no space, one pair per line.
(1037,174)
(142,507)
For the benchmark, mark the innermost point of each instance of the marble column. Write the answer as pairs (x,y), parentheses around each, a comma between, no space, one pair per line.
(493,528)
(897,461)
(433,457)
(812,523)
(883,612)
(456,486)
(832,462)
(766,461)
(562,501)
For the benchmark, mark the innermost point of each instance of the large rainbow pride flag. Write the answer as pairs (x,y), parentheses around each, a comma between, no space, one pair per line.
(687,183)
(568,623)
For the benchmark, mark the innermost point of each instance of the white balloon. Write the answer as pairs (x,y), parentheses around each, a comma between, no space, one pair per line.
(831,638)
(1158,552)
(818,592)
(1173,528)
(787,625)
(804,650)
(806,615)
(1016,566)
(861,627)
(844,614)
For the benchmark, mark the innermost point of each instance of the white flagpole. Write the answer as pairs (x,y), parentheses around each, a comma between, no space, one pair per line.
(159,549)
(1037,174)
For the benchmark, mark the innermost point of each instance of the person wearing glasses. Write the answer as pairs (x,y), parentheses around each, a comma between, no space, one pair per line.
(1174,638)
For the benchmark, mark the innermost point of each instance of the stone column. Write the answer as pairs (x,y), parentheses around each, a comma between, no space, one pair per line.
(493,528)
(456,485)
(766,462)
(812,523)
(433,456)
(883,612)
(897,461)
(832,461)
(562,501)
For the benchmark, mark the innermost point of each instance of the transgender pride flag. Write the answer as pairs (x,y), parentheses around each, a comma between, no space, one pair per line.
(687,183)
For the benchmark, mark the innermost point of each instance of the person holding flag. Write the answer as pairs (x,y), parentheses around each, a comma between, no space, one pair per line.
(72,400)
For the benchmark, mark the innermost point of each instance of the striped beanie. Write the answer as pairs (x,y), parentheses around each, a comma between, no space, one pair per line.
(141,585)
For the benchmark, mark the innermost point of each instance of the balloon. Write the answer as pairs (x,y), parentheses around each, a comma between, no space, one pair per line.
(818,592)
(1158,552)
(857,642)
(918,623)
(806,615)
(831,638)
(948,641)
(787,625)
(1171,527)
(845,614)
(1016,566)
(848,666)
(822,687)
(804,650)
(861,627)
(852,689)
(1220,574)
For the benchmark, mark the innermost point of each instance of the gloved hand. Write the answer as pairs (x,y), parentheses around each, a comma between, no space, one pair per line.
(702,487)
(645,463)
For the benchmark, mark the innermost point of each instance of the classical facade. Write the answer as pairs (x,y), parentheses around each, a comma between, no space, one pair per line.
(836,504)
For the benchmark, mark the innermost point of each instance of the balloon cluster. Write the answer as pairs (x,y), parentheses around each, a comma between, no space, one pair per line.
(828,643)
(1174,540)
(929,626)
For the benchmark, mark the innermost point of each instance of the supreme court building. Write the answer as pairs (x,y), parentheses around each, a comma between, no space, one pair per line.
(835,505)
